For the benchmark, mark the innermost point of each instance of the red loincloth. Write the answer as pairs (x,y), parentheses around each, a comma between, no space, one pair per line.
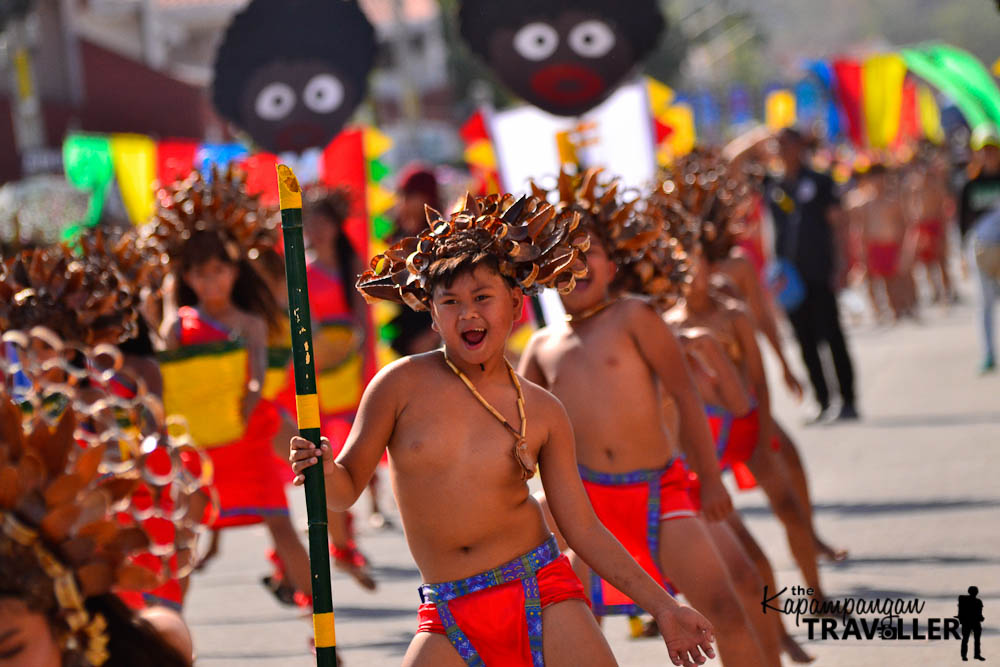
(631,506)
(496,621)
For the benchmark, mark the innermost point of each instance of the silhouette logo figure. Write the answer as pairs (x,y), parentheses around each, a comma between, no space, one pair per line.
(970,615)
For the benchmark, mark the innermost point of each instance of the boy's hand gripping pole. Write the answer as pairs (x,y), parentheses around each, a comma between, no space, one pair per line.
(307,405)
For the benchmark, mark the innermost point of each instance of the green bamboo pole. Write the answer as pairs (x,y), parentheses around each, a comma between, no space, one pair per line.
(307,404)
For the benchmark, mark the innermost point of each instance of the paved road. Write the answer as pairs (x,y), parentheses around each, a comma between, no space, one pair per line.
(912,491)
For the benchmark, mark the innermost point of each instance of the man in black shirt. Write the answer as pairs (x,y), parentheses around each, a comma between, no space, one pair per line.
(802,204)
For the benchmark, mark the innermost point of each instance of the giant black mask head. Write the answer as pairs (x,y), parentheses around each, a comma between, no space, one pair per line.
(290,73)
(563,56)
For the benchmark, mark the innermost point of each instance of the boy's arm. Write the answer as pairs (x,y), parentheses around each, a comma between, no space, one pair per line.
(758,378)
(528,367)
(348,476)
(684,630)
(662,353)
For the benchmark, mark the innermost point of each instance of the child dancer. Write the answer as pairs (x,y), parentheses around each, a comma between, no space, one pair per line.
(464,433)
(215,363)
(609,365)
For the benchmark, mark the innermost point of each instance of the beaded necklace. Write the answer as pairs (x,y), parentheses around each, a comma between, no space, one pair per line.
(521,444)
(590,312)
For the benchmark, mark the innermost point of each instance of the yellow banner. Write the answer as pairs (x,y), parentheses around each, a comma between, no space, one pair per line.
(680,119)
(481,154)
(660,96)
(780,109)
(930,115)
(882,82)
(134,158)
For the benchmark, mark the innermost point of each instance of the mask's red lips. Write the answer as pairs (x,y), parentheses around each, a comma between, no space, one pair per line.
(566,83)
(298,137)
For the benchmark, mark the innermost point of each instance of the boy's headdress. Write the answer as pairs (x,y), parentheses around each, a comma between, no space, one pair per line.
(534,243)
(635,234)
(712,198)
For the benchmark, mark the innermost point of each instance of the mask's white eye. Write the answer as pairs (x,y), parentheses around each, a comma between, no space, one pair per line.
(536,41)
(275,101)
(592,39)
(324,93)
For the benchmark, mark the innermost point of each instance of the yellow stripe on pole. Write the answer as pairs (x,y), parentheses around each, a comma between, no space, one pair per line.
(326,634)
(307,407)
(289,192)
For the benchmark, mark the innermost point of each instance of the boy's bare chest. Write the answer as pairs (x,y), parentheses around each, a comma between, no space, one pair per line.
(599,360)
(454,434)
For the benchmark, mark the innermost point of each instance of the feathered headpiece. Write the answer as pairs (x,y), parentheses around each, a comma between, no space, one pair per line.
(89,481)
(536,245)
(221,205)
(635,234)
(84,298)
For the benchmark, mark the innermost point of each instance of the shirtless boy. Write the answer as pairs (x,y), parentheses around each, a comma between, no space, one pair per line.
(463,435)
(930,206)
(610,365)
(877,210)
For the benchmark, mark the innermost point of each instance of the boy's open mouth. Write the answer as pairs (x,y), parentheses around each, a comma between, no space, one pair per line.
(473,337)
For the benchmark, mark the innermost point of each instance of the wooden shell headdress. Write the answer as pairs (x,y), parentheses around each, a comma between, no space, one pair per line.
(715,197)
(536,245)
(635,233)
(82,297)
(219,204)
(91,479)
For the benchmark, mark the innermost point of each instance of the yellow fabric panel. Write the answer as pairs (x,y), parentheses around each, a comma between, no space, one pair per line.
(208,392)
(340,388)
(274,381)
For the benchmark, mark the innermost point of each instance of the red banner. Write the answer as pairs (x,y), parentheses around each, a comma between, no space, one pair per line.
(849,87)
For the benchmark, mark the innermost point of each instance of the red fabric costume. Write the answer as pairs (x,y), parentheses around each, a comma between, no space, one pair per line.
(248,483)
(632,506)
